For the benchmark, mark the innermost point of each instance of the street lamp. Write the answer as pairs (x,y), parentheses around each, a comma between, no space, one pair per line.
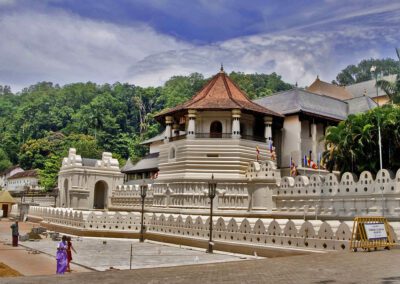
(212,185)
(375,74)
(143,192)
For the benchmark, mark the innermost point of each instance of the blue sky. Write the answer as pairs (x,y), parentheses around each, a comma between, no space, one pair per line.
(144,42)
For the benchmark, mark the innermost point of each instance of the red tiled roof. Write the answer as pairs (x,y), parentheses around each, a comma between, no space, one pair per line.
(221,93)
(323,88)
(29,173)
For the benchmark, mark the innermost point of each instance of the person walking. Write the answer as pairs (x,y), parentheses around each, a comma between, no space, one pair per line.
(61,256)
(15,234)
(70,248)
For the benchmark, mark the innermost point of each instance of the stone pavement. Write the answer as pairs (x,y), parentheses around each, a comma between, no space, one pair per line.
(116,253)
(24,260)
(334,267)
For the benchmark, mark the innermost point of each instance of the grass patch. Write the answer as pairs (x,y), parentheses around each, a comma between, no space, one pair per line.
(6,271)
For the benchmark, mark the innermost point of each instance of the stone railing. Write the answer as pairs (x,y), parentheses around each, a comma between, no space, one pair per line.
(315,234)
(349,196)
(127,197)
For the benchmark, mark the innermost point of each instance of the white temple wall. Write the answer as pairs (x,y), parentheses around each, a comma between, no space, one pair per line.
(205,118)
(155,147)
(329,235)
(346,197)
(78,185)
(198,158)
(291,140)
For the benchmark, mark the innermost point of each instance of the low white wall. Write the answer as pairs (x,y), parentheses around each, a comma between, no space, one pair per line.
(332,235)
(349,196)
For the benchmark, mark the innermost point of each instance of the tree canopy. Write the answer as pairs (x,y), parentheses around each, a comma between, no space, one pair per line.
(362,71)
(353,144)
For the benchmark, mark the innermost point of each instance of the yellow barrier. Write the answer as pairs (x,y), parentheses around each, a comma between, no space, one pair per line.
(371,232)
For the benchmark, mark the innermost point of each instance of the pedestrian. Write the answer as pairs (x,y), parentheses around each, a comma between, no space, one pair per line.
(61,256)
(70,248)
(15,234)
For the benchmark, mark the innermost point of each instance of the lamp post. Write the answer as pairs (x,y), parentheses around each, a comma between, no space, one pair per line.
(143,192)
(375,74)
(212,185)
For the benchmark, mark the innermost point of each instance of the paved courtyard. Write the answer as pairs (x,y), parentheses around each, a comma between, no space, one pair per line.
(107,253)
(333,267)
(361,267)
(116,253)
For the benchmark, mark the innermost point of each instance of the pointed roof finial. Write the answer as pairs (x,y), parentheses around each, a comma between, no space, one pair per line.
(317,77)
(222,69)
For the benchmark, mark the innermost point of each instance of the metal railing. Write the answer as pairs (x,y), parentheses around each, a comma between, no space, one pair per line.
(213,135)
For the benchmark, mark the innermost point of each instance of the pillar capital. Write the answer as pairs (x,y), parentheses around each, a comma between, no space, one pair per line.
(192,113)
(168,119)
(236,113)
(267,120)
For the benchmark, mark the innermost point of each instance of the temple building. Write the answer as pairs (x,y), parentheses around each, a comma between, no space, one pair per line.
(245,145)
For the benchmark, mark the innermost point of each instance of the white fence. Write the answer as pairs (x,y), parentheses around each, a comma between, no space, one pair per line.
(332,235)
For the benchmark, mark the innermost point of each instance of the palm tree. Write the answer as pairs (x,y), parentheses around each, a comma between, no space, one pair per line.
(392,89)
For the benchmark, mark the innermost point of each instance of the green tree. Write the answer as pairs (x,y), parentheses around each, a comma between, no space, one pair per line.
(259,85)
(362,71)
(353,144)
(5,162)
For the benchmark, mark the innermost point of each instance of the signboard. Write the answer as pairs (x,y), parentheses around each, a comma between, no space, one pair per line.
(371,233)
(375,231)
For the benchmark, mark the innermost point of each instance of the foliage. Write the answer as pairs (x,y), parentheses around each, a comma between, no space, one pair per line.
(259,85)
(392,89)
(353,144)
(4,160)
(362,71)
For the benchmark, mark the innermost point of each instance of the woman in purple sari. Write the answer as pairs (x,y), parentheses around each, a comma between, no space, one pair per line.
(61,256)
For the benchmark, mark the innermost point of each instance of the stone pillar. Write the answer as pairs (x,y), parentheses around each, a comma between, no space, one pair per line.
(314,154)
(236,123)
(268,128)
(175,129)
(191,130)
(168,123)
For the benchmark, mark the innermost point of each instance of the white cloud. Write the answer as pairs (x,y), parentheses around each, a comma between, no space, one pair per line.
(64,48)
(297,58)
(7,2)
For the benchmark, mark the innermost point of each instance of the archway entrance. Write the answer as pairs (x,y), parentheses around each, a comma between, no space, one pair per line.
(4,207)
(100,195)
(216,129)
(65,201)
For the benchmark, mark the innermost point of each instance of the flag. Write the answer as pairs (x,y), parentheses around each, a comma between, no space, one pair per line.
(293,169)
(258,153)
(319,160)
(272,150)
(310,162)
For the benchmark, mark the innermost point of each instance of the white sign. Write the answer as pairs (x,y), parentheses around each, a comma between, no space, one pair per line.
(375,231)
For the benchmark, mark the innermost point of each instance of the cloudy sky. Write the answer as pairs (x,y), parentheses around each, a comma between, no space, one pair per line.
(144,42)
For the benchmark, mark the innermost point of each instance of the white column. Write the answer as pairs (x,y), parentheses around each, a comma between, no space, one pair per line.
(236,123)
(314,142)
(168,123)
(191,130)
(175,129)
(268,128)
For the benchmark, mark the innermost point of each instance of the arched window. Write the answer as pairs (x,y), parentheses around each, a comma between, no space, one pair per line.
(216,129)
(172,153)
